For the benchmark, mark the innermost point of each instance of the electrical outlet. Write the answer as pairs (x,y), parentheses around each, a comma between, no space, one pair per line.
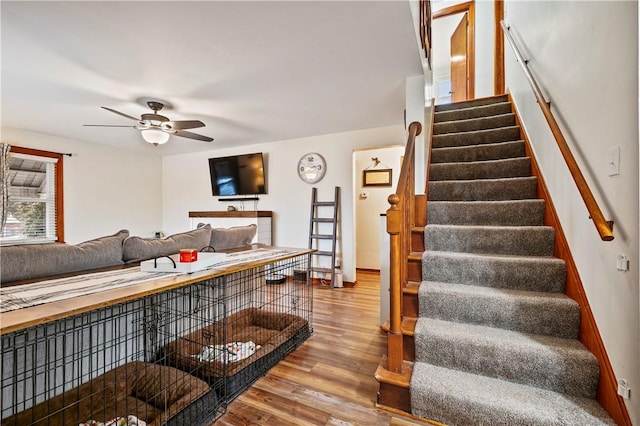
(622,263)
(623,389)
(613,163)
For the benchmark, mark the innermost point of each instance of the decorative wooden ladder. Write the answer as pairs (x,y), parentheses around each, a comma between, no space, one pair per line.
(318,233)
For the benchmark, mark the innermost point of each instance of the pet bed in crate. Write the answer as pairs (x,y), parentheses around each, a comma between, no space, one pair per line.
(155,394)
(259,337)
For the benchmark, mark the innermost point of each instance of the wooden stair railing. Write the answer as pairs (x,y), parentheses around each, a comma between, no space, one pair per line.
(400,221)
(604,227)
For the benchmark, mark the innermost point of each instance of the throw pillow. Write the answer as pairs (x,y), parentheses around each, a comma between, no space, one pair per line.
(137,249)
(237,236)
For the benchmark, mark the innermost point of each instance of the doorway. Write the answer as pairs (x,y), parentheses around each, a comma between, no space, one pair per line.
(455,67)
(370,201)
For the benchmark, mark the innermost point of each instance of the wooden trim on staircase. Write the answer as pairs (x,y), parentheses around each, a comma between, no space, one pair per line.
(498,80)
(400,221)
(589,335)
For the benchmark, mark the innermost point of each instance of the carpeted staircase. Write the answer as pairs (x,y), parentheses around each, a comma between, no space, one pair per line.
(496,341)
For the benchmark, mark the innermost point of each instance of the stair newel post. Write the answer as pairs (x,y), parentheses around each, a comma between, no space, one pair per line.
(394,337)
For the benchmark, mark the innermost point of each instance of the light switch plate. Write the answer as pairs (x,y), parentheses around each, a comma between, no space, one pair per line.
(613,163)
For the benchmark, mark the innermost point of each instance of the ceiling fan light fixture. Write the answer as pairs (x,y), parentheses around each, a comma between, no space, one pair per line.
(155,136)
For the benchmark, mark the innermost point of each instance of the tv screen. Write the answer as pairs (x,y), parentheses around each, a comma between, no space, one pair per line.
(238,175)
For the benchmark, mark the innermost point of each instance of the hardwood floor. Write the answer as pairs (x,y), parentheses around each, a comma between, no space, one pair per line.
(329,380)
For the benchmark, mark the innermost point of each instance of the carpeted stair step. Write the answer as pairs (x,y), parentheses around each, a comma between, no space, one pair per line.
(491,169)
(513,240)
(484,189)
(492,151)
(502,134)
(532,273)
(457,398)
(482,123)
(487,213)
(473,112)
(549,314)
(472,103)
(560,365)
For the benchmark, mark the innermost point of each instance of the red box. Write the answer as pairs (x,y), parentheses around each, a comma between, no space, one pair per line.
(188,255)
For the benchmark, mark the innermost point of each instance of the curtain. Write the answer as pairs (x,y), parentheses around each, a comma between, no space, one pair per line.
(4,184)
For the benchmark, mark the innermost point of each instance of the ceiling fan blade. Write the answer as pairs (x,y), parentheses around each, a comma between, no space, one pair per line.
(182,124)
(121,113)
(191,135)
(106,125)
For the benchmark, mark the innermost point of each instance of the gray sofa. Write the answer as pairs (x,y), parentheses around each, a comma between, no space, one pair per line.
(38,261)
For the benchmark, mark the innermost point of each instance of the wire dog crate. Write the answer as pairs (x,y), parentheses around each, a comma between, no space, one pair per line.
(174,357)
(262,315)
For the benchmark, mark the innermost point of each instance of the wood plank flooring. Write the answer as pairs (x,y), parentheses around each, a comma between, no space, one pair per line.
(329,380)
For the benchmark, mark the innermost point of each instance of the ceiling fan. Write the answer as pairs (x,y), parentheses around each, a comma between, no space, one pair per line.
(156,128)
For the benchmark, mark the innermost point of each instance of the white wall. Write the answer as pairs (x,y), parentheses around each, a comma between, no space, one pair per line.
(485,46)
(105,189)
(371,201)
(415,106)
(585,55)
(186,185)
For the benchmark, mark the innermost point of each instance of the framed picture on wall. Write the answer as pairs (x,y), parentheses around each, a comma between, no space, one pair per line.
(376,177)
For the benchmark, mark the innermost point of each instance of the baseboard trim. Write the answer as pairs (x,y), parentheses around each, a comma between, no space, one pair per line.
(589,336)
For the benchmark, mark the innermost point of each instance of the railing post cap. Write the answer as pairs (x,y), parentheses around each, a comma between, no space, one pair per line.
(393,199)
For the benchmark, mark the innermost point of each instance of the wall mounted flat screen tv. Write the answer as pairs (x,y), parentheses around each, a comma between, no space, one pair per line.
(238,175)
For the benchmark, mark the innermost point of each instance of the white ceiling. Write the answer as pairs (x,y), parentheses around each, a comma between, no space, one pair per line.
(253,72)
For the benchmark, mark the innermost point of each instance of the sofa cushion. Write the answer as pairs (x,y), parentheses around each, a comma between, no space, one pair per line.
(236,236)
(137,248)
(38,260)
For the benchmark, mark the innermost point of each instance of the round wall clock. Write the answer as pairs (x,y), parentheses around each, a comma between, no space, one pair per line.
(311,167)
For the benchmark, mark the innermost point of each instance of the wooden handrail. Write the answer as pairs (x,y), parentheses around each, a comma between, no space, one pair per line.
(400,220)
(604,227)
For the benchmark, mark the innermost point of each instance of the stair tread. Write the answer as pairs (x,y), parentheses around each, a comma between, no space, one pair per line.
(487,202)
(471,107)
(480,145)
(501,257)
(493,121)
(457,398)
(526,296)
(554,363)
(528,212)
(528,311)
(542,273)
(498,228)
(528,341)
(486,117)
(506,180)
(473,112)
(484,169)
(472,103)
(517,240)
(479,152)
(487,163)
(517,188)
(475,132)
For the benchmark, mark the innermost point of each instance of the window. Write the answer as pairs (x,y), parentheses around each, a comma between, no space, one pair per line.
(35,197)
